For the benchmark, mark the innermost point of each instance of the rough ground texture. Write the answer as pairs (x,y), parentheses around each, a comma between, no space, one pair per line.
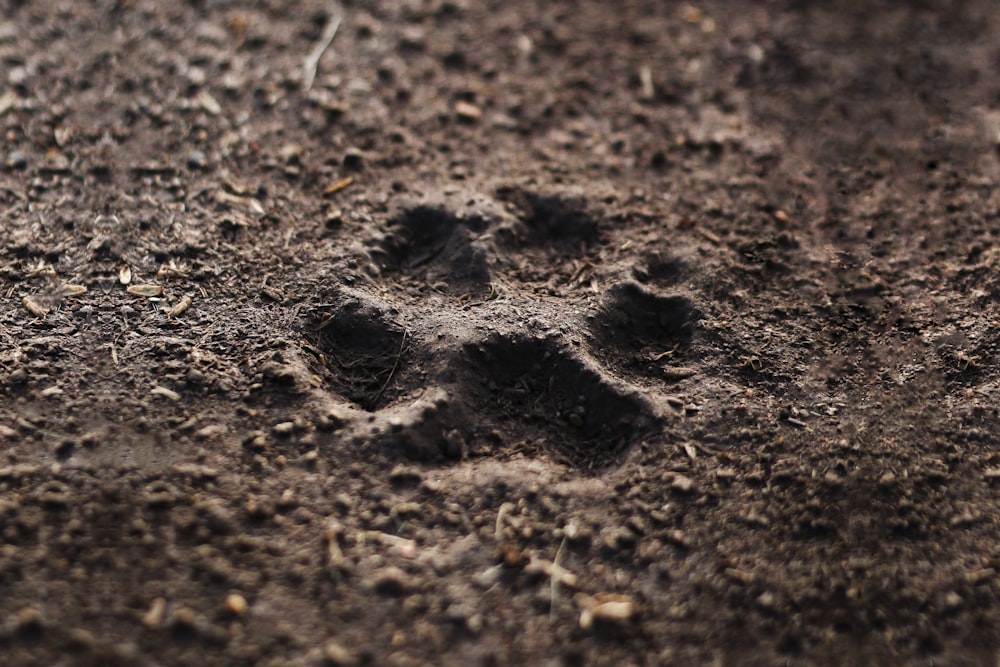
(642,333)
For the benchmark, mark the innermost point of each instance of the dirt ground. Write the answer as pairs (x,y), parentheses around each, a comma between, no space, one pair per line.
(534,332)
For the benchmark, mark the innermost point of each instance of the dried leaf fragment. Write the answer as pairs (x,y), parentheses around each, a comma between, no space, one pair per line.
(71,290)
(36,306)
(145,290)
(180,307)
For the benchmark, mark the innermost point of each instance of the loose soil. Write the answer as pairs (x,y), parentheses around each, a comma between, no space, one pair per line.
(524,332)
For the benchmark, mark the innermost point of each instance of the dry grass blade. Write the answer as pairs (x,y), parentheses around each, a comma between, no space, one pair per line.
(338,186)
(311,62)
(395,365)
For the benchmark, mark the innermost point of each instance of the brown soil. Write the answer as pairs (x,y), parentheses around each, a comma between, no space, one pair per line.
(643,333)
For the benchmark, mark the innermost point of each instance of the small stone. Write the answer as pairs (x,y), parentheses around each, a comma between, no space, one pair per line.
(16,160)
(404,474)
(309,459)
(256,441)
(468,112)
(197,160)
(64,448)
(767,600)
(636,525)
(336,655)
(207,103)
(283,428)
(81,638)
(184,618)
(56,161)
(682,484)
(353,159)
(408,509)
(29,620)
(291,153)
(209,432)
(607,608)
(237,605)
(391,582)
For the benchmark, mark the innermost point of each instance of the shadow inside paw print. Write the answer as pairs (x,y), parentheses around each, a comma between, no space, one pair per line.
(539,399)
(365,349)
(639,332)
(433,245)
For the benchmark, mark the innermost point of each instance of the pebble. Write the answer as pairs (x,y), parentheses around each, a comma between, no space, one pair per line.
(81,638)
(391,582)
(283,428)
(197,160)
(336,655)
(217,516)
(682,484)
(64,448)
(210,431)
(184,618)
(256,441)
(468,112)
(237,605)
(403,474)
(610,608)
(353,159)
(407,509)
(16,160)
(29,620)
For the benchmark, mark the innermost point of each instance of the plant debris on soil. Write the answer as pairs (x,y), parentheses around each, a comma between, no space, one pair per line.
(521,332)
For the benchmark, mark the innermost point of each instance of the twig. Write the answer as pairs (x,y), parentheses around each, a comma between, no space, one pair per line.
(554,582)
(501,515)
(311,63)
(395,365)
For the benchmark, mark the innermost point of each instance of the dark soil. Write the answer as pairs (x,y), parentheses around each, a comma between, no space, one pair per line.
(526,332)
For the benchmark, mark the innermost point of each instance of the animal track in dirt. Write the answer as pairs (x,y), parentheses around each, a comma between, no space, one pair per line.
(571,411)
(365,348)
(434,245)
(634,326)
(660,270)
(552,222)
